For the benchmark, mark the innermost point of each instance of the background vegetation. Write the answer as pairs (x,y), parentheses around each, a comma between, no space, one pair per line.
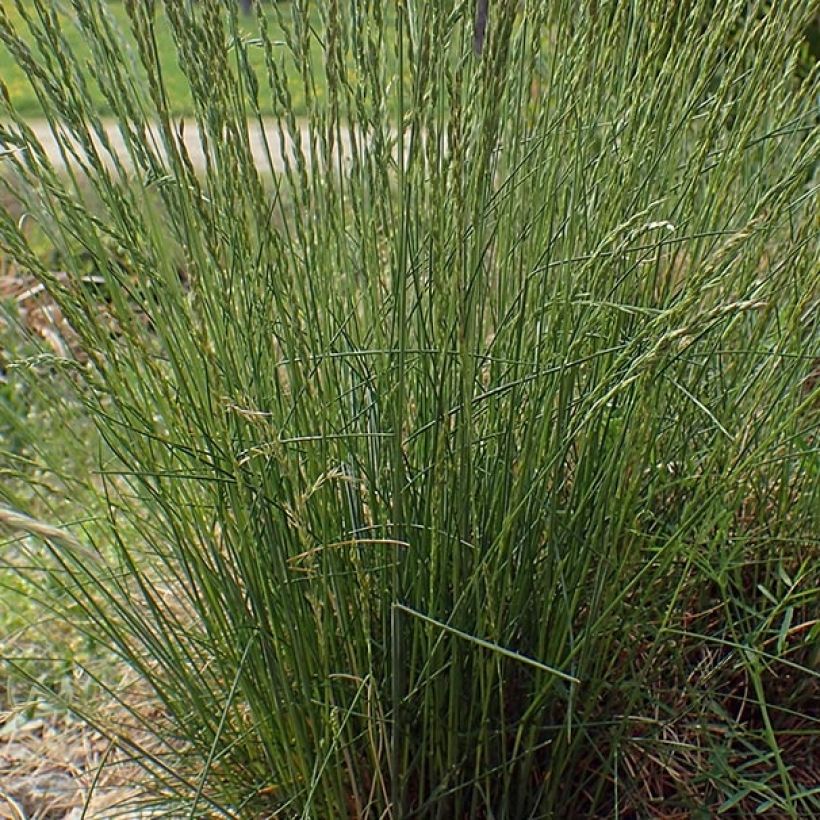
(468,466)
(28,103)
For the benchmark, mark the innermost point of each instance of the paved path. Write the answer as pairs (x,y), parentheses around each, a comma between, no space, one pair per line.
(262,139)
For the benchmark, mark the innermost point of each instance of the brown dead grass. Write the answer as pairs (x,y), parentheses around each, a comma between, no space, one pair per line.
(38,312)
(49,762)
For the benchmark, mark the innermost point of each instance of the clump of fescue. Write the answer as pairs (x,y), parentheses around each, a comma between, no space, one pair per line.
(460,462)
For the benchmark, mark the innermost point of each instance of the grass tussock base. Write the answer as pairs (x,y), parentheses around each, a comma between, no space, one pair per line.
(472,473)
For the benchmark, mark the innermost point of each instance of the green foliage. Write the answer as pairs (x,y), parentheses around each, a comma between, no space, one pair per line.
(15,75)
(466,467)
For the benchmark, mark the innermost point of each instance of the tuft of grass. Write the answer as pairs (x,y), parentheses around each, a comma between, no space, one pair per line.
(468,466)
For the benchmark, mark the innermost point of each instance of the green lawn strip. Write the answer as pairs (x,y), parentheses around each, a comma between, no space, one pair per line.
(176,85)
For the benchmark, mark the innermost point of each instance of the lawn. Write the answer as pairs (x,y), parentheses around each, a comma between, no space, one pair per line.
(174,81)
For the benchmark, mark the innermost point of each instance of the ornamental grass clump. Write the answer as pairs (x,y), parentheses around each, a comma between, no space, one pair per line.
(457,452)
